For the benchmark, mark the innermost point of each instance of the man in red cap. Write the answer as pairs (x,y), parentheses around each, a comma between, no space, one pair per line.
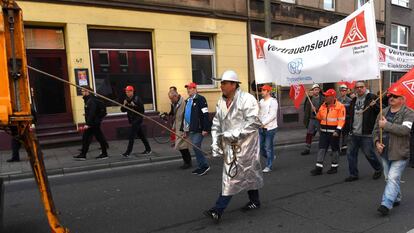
(394,148)
(133,101)
(268,117)
(331,115)
(196,125)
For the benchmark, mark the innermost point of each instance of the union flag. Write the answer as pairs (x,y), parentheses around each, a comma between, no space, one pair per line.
(297,93)
(407,83)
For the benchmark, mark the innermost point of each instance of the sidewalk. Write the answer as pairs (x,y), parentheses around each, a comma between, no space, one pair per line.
(59,161)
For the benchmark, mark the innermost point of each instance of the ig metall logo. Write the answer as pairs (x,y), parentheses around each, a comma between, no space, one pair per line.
(295,66)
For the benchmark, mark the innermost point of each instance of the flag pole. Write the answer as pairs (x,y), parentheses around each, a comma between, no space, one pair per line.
(310,101)
(257,90)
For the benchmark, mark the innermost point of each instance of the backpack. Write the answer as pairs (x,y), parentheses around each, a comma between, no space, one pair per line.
(100,109)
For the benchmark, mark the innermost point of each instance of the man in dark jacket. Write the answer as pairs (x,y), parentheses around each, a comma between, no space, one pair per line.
(196,125)
(309,118)
(134,102)
(92,126)
(363,111)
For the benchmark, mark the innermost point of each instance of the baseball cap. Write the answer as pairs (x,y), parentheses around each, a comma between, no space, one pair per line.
(267,88)
(330,92)
(129,88)
(396,90)
(191,85)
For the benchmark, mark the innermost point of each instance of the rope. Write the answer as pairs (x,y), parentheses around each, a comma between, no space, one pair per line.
(126,107)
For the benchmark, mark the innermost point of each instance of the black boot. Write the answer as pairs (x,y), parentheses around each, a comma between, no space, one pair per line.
(317,171)
(333,170)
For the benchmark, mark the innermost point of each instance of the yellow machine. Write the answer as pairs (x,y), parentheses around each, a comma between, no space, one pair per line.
(15,109)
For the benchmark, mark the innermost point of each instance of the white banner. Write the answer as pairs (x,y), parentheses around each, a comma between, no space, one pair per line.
(394,59)
(344,51)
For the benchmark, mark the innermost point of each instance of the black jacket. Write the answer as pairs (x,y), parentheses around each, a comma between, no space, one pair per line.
(199,115)
(137,106)
(369,116)
(91,110)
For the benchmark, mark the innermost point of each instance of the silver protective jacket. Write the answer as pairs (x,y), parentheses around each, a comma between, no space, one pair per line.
(235,136)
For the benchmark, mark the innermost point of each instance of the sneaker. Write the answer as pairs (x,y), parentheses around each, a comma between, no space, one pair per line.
(146,152)
(125,155)
(102,156)
(396,204)
(377,175)
(12,160)
(213,214)
(305,152)
(203,171)
(383,210)
(351,178)
(332,170)
(196,171)
(250,206)
(80,157)
(185,166)
(266,170)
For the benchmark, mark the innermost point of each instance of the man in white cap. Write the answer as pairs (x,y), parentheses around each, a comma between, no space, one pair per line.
(235,136)
(346,101)
(309,118)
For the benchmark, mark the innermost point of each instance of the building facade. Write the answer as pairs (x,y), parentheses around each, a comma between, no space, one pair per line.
(399,31)
(151,45)
(155,44)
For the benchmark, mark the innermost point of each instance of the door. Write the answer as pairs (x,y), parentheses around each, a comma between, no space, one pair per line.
(51,97)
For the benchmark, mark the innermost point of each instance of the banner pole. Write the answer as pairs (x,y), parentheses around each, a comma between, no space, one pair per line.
(380,99)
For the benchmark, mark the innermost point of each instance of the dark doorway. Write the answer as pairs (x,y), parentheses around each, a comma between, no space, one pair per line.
(51,97)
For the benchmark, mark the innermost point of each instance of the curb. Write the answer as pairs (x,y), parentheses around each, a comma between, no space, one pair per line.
(14,176)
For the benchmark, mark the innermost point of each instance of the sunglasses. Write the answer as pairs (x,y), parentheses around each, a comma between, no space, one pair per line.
(360,87)
(394,96)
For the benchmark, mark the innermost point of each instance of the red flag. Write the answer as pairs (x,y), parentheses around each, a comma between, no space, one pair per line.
(350,85)
(407,83)
(297,93)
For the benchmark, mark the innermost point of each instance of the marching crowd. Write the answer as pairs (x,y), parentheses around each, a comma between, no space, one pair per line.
(243,130)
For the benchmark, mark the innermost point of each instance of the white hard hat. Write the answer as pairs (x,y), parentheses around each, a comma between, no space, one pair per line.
(315,86)
(230,75)
(343,86)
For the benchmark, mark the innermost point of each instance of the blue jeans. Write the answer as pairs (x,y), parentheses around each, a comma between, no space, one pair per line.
(266,145)
(392,173)
(197,139)
(367,146)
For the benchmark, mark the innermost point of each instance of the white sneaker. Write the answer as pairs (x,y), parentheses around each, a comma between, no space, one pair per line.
(266,170)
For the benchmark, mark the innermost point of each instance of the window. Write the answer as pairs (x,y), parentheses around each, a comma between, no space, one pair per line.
(395,76)
(289,1)
(43,38)
(118,63)
(329,5)
(403,3)
(203,60)
(123,58)
(360,3)
(399,37)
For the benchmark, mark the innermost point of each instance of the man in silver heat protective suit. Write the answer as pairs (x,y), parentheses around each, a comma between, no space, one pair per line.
(235,136)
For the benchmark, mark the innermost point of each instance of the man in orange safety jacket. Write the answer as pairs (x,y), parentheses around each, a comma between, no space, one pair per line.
(331,115)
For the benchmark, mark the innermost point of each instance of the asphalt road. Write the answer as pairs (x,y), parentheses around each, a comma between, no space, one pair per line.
(162,198)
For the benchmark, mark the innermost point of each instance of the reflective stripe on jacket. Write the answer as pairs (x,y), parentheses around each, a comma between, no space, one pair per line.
(331,118)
